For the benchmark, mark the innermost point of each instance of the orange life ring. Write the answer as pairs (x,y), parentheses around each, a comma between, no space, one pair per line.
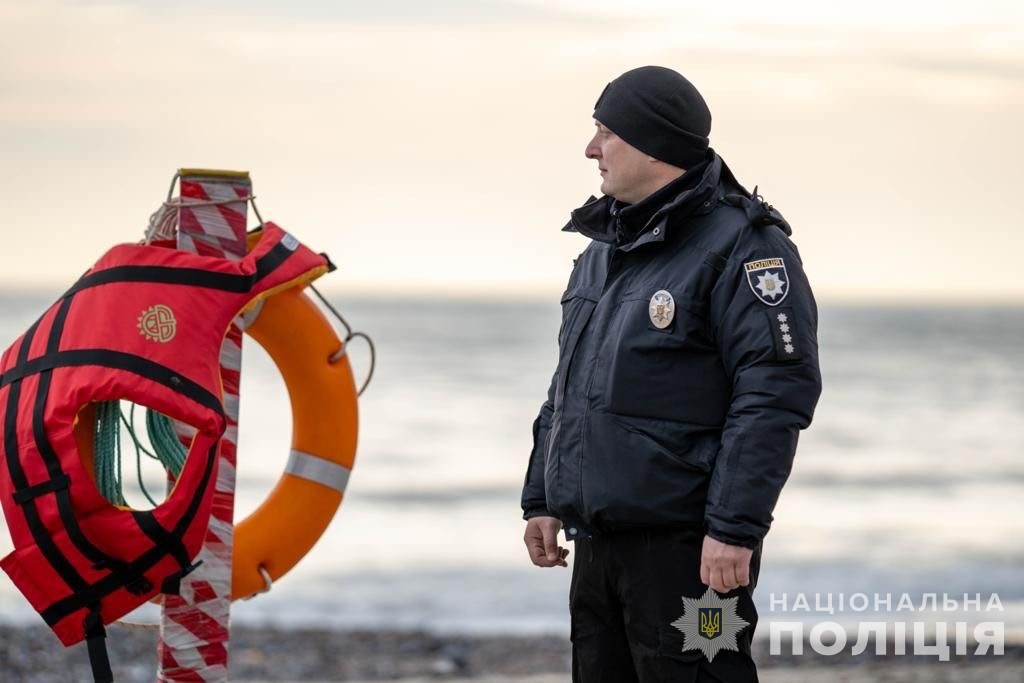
(279,533)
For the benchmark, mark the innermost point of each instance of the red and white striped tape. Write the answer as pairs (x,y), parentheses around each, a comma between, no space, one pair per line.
(194,631)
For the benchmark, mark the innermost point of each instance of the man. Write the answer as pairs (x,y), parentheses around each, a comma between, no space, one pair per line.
(687,367)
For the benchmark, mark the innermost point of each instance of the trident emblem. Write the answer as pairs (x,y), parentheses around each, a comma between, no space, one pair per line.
(711,622)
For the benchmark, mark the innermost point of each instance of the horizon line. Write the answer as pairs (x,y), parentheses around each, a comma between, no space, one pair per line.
(548,292)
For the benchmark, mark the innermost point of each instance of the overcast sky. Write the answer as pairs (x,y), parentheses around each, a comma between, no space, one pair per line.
(438,146)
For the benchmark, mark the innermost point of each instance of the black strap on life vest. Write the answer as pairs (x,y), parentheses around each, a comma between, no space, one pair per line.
(172,584)
(96,642)
(40,535)
(116,360)
(159,535)
(191,277)
(49,486)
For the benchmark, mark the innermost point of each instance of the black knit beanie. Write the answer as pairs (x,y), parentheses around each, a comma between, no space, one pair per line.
(659,112)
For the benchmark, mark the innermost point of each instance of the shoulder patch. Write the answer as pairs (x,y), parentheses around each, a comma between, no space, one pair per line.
(768,280)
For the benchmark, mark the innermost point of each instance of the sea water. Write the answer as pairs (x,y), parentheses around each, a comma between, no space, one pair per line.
(909,480)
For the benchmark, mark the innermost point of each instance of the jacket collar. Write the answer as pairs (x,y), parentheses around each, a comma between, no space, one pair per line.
(597,217)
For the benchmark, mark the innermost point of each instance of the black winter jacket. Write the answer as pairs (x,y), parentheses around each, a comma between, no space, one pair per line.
(688,364)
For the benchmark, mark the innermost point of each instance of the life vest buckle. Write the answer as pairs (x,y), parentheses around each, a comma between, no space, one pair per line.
(140,585)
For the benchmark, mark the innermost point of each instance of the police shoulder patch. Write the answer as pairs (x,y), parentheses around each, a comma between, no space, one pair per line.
(768,280)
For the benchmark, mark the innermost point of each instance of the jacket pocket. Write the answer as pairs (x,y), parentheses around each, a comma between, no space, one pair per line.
(646,472)
(689,446)
(578,304)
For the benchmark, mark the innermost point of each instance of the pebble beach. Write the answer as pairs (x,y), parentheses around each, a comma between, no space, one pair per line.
(31,654)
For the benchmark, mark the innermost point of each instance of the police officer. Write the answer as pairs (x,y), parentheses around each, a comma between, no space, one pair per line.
(688,364)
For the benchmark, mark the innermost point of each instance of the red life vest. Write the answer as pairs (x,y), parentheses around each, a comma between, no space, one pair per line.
(145,324)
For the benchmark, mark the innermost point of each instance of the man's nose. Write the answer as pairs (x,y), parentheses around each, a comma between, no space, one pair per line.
(593,150)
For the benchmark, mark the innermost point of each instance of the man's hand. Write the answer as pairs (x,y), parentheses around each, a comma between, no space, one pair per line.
(723,566)
(541,540)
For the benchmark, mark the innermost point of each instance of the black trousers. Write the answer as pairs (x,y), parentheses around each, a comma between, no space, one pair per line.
(627,589)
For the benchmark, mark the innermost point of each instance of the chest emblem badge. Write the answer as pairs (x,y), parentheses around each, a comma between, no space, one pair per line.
(768,280)
(662,309)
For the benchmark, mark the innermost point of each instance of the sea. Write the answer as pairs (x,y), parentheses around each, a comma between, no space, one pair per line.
(909,482)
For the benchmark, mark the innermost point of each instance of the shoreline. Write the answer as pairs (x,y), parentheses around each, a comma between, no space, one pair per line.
(261,655)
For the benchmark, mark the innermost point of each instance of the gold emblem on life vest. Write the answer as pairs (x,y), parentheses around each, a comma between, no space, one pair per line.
(157,323)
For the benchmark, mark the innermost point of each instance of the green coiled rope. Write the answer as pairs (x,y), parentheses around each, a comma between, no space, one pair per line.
(167,449)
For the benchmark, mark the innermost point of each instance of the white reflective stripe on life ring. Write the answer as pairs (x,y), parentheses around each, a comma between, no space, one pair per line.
(315,468)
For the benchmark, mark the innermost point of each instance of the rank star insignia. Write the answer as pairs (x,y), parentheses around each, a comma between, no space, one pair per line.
(710,624)
(784,325)
(768,280)
(662,309)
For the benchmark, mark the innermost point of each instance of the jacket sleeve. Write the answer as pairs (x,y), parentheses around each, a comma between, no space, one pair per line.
(765,325)
(534,501)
